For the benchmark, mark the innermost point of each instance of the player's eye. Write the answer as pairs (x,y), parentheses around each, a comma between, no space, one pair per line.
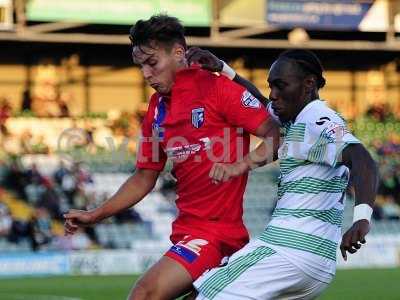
(152,63)
(280,85)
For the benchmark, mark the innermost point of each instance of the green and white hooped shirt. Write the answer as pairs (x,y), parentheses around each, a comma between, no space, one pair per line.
(306,223)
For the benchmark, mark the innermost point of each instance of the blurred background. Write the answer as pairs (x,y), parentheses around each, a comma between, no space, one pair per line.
(71,105)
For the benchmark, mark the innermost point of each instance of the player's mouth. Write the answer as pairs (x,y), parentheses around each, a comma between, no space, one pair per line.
(277,110)
(155,86)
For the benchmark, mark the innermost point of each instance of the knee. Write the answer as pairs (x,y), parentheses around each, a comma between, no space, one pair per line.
(144,290)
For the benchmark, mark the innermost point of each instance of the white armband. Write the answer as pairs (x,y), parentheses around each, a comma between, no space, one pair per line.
(362,212)
(228,71)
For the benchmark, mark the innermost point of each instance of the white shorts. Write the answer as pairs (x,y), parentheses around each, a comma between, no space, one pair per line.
(257,272)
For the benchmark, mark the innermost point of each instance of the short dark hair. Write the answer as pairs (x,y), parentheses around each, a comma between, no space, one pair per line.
(161,29)
(307,62)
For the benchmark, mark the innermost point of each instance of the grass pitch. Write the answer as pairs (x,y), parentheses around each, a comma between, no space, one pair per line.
(371,284)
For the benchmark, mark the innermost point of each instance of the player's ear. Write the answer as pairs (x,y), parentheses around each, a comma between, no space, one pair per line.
(310,83)
(179,52)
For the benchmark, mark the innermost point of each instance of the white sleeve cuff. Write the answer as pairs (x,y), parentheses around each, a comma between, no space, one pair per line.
(228,71)
(362,212)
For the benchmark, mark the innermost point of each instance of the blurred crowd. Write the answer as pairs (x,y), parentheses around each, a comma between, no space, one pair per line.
(388,158)
(49,197)
(379,129)
(95,133)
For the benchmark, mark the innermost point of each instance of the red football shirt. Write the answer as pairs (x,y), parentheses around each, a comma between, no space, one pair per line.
(206,119)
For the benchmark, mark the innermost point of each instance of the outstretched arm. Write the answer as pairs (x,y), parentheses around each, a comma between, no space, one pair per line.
(364,176)
(131,192)
(209,61)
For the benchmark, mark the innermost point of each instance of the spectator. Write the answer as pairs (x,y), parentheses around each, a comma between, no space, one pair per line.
(379,112)
(63,107)
(5,221)
(26,142)
(33,174)
(50,199)
(34,189)
(40,232)
(19,231)
(63,98)
(69,187)
(5,113)
(16,179)
(26,100)
(60,173)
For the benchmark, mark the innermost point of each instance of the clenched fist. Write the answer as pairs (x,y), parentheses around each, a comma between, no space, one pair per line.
(222,172)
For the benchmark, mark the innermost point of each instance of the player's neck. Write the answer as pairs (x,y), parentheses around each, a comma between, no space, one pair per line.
(307,101)
(182,65)
(179,67)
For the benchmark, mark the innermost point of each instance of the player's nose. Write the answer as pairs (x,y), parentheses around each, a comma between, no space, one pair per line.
(273,95)
(146,73)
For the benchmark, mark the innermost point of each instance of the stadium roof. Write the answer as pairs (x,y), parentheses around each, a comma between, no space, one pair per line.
(217,34)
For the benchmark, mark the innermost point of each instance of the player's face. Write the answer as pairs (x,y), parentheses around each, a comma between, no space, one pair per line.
(159,65)
(287,91)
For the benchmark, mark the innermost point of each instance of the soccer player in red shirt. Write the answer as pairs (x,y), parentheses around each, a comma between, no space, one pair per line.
(195,119)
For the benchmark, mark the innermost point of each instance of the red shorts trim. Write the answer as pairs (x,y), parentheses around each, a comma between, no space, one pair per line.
(196,254)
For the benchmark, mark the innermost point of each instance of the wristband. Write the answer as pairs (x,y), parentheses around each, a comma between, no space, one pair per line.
(362,212)
(228,71)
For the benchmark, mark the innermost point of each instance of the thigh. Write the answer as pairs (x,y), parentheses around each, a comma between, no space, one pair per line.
(257,272)
(307,288)
(240,278)
(167,279)
(196,254)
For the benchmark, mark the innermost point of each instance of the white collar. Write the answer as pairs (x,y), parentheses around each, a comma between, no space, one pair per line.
(308,107)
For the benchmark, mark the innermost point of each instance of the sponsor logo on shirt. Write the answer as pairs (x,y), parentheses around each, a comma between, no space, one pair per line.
(224,261)
(248,100)
(198,117)
(188,249)
(322,120)
(335,130)
(186,150)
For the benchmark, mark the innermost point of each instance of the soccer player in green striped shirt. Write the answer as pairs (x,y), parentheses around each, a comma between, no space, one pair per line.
(295,256)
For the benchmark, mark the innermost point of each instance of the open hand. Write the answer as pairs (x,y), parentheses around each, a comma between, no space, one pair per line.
(77,218)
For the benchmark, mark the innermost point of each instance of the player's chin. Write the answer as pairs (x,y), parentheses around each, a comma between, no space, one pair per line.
(283,117)
(162,90)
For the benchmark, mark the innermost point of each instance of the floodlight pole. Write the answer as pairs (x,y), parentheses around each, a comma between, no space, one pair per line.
(214,30)
(20,8)
(392,6)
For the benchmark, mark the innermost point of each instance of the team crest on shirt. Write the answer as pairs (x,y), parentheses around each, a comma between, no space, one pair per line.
(248,100)
(198,117)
